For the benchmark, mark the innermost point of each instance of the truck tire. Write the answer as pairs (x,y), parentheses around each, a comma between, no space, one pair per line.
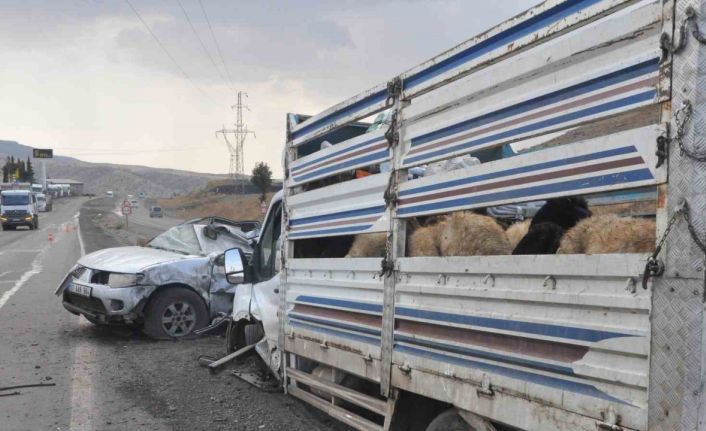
(174,312)
(449,420)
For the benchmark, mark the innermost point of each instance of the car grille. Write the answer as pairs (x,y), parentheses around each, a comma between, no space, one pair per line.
(100,277)
(15,212)
(88,304)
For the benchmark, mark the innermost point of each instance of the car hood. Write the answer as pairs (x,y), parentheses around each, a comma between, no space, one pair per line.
(129,259)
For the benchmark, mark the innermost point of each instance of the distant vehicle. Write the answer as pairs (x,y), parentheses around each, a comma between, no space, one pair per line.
(134,203)
(156,211)
(171,287)
(142,195)
(37,188)
(109,193)
(18,208)
(41,202)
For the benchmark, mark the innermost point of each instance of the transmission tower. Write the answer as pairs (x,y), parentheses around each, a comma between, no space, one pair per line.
(235,147)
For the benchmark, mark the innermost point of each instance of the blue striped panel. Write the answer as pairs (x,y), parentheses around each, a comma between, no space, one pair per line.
(340,303)
(336,231)
(584,184)
(553,382)
(335,324)
(568,332)
(600,82)
(296,167)
(522,169)
(529,26)
(605,107)
(482,354)
(339,215)
(558,331)
(360,161)
(336,333)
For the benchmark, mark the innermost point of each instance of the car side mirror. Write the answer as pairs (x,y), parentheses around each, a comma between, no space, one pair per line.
(235,264)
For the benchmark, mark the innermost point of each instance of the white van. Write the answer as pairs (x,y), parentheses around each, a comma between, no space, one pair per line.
(18,208)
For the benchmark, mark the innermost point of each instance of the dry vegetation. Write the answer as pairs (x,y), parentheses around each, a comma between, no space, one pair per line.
(236,207)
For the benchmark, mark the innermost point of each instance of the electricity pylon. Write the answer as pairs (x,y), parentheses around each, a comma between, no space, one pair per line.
(237,156)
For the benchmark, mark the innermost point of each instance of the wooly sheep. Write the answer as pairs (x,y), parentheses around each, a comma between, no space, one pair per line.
(516,231)
(469,234)
(610,233)
(368,245)
(424,241)
(549,224)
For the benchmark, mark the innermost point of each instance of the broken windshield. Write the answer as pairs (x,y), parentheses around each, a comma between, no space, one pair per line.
(180,239)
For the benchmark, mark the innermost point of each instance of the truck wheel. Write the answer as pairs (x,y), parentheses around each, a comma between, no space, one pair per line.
(174,312)
(449,420)
(243,333)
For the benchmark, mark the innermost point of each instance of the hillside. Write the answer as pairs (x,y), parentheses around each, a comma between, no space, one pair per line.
(122,179)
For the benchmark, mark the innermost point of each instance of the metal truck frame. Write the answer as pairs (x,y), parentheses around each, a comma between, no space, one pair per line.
(611,93)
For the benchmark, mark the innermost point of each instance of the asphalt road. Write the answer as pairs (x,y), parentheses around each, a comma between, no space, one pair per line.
(109,378)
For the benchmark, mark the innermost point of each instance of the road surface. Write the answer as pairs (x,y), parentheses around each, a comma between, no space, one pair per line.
(105,378)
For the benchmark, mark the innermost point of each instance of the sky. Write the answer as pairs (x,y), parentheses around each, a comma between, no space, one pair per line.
(86,78)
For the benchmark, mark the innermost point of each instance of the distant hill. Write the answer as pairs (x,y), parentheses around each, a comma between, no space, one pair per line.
(122,179)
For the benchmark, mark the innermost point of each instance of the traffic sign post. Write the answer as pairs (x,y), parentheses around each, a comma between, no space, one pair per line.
(263,207)
(126,210)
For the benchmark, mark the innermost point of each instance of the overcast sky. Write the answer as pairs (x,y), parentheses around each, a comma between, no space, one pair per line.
(86,78)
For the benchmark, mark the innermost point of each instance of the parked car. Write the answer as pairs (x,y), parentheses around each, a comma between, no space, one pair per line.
(170,287)
(109,193)
(155,211)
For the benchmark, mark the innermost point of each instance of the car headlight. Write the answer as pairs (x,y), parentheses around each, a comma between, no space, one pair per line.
(122,280)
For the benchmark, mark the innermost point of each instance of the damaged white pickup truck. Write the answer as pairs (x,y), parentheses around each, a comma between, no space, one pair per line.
(169,288)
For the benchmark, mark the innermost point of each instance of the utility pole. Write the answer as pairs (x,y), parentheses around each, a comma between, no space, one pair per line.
(235,147)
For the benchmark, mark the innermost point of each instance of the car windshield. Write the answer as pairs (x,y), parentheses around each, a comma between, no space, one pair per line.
(12,199)
(180,239)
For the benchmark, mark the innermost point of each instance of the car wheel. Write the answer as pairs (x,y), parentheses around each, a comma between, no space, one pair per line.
(449,420)
(174,312)
(36,223)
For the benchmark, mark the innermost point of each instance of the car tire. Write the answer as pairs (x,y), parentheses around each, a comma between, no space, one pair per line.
(36,223)
(174,312)
(449,420)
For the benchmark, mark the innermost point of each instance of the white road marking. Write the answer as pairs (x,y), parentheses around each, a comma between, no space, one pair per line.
(2,274)
(82,370)
(35,269)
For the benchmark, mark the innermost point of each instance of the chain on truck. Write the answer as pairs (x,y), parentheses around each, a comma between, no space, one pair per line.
(602,100)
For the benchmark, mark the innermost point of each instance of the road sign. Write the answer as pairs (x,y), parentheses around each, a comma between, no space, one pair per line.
(126,208)
(42,153)
(263,207)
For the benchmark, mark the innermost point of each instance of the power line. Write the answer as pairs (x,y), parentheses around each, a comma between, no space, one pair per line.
(203,46)
(218,47)
(171,57)
(130,152)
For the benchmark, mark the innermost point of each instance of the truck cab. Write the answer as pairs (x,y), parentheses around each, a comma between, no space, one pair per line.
(18,208)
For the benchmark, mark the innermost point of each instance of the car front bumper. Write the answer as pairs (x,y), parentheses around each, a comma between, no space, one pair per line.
(106,304)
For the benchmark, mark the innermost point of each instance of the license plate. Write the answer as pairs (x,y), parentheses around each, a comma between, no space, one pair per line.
(82,290)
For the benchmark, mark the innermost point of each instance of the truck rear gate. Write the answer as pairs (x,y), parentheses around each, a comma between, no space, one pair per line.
(604,92)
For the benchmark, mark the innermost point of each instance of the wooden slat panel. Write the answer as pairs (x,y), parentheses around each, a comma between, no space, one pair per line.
(618,161)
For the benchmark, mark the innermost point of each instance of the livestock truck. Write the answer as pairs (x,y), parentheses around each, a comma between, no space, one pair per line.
(595,98)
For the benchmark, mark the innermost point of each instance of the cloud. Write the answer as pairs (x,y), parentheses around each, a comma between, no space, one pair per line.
(85,75)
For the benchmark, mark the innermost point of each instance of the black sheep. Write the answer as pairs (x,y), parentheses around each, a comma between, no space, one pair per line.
(549,224)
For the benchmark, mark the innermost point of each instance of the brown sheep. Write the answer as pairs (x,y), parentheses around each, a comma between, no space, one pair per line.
(609,233)
(468,234)
(517,231)
(424,241)
(368,245)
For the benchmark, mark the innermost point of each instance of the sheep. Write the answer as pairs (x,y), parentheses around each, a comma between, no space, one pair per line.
(468,234)
(610,234)
(424,241)
(550,223)
(516,231)
(460,234)
(368,245)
